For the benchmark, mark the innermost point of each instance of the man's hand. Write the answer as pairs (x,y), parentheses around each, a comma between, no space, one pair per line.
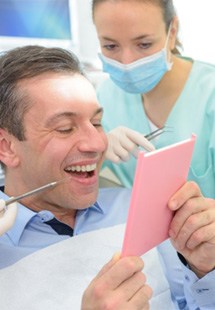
(192,230)
(120,285)
(122,142)
(7,216)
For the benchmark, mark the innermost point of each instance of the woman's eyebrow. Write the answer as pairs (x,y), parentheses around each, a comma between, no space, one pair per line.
(141,37)
(107,39)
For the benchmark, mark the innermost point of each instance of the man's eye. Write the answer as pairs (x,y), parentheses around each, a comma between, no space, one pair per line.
(97,124)
(64,130)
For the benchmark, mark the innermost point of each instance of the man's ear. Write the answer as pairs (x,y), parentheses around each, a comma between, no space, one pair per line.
(8,154)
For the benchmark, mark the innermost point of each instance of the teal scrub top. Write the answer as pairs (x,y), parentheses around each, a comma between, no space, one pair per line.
(193,112)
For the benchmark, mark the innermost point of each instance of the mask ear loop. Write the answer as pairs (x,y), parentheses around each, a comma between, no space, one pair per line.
(168,35)
(168,62)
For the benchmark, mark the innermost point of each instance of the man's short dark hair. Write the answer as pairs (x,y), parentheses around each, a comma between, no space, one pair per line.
(23,63)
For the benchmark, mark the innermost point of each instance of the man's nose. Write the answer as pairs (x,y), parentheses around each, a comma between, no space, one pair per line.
(92,139)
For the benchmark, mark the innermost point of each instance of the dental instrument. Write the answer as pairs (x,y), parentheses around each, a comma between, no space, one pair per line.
(35,191)
(157,132)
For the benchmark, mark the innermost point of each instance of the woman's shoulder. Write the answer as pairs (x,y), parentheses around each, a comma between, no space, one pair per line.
(203,83)
(202,68)
(201,77)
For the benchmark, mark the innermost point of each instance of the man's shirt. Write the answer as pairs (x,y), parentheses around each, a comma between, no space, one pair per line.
(32,231)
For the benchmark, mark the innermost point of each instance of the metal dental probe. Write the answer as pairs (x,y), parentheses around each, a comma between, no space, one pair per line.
(35,191)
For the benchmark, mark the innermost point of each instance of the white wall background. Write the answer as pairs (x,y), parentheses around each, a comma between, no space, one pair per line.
(88,43)
(197,27)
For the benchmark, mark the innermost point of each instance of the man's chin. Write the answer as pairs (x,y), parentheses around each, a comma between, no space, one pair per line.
(86,200)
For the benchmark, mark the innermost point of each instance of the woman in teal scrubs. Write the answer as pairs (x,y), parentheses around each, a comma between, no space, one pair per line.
(151,85)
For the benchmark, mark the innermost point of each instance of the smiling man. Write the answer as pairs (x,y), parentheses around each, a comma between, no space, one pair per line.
(50,130)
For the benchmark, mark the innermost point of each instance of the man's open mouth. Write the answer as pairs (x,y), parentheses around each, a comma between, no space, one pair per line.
(82,171)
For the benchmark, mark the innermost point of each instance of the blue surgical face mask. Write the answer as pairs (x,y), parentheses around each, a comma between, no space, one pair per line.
(140,76)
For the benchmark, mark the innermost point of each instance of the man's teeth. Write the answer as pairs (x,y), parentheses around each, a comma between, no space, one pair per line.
(86,168)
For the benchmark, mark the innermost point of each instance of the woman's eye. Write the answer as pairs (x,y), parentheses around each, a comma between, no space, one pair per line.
(144,45)
(109,47)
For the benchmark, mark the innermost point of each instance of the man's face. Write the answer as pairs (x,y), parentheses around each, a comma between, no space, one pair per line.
(64,139)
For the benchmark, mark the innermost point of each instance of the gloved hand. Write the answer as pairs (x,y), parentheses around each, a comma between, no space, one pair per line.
(7,217)
(123,141)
